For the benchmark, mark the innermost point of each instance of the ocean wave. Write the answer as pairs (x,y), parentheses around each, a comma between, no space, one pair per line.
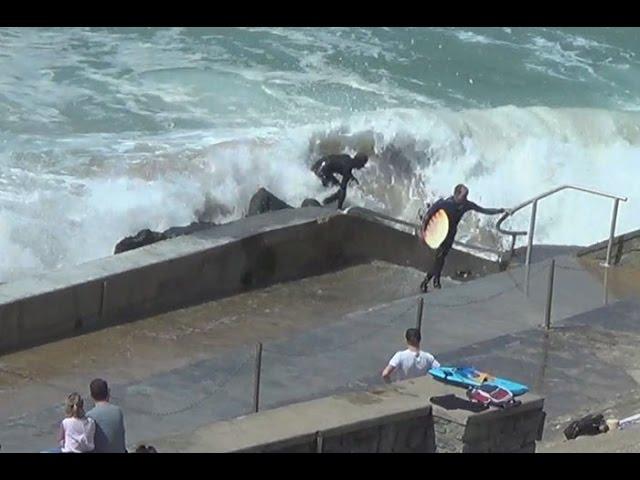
(54,216)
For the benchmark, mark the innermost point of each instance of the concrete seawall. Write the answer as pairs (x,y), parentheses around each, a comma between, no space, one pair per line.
(247,254)
(417,416)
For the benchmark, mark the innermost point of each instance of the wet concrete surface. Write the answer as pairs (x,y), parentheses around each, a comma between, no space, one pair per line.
(160,363)
(588,363)
(175,372)
(622,281)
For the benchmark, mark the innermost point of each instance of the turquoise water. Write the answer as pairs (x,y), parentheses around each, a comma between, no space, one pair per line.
(105,131)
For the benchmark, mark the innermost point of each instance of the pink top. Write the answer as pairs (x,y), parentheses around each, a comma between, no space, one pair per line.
(76,434)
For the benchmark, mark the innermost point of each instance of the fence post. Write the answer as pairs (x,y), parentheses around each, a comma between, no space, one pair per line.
(612,232)
(532,227)
(419,317)
(547,313)
(319,442)
(256,385)
(606,286)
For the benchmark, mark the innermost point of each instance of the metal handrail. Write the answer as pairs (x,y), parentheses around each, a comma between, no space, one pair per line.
(414,226)
(534,202)
(382,216)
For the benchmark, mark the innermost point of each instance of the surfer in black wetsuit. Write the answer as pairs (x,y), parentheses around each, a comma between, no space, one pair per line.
(327,167)
(455,207)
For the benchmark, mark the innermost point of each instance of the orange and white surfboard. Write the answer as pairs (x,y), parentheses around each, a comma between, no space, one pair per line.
(436,229)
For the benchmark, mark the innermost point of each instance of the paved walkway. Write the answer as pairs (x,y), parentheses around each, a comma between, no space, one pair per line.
(178,371)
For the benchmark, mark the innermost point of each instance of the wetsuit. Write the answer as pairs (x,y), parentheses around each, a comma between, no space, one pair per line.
(326,169)
(455,211)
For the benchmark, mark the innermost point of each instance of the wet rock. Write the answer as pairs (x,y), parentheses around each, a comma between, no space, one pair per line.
(310,202)
(140,239)
(191,228)
(264,201)
(147,237)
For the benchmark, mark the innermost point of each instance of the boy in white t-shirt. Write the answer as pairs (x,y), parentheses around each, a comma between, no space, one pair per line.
(411,362)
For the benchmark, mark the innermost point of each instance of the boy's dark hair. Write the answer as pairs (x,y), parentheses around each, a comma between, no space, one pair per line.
(99,390)
(412,335)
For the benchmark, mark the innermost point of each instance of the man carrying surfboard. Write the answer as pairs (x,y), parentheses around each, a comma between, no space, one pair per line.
(440,225)
(327,167)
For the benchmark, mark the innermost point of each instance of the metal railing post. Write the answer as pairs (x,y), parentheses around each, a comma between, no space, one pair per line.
(256,384)
(419,317)
(533,201)
(319,442)
(532,226)
(547,312)
(612,232)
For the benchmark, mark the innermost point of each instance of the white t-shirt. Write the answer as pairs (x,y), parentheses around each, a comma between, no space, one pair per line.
(411,364)
(78,434)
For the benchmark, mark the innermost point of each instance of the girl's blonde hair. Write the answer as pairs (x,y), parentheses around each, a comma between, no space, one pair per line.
(75,406)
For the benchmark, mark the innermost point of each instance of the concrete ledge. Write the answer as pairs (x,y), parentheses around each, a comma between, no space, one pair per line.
(394,418)
(251,253)
(294,427)
(599,249)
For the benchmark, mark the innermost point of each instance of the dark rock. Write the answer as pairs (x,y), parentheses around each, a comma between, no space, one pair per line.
(310,202)
(191,228)
(264,201)
(147,237)
(140,239)
(261,202)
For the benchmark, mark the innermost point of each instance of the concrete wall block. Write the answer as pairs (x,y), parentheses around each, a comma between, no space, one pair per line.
(523,430)
(479,447)
(88,298)
(415,435)
(360,441)
(389,435)
(11,325)
(476,432)
(543,417)
(223,270)
(501,426)
(532,422)
(298,444)
(302,448)
(506,443)
(526,448)
(128,294)
(49,316)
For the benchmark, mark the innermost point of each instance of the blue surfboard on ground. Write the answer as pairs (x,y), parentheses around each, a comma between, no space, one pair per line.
(469,377)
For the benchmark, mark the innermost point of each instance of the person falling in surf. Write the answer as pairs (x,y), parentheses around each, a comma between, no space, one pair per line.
(327,167)
(455,207)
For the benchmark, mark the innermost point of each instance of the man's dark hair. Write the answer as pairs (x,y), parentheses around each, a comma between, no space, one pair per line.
(459,188)
(360,160)
(412,335)
(99,390)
